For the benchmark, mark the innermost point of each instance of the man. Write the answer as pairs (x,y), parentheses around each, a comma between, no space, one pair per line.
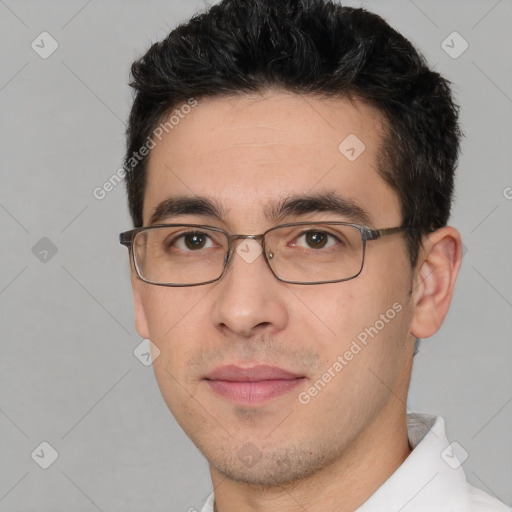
(290,173)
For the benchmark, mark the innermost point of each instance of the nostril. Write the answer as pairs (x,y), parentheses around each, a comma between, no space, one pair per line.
(262,325)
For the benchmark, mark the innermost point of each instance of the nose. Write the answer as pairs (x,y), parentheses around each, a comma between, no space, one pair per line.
(249,299)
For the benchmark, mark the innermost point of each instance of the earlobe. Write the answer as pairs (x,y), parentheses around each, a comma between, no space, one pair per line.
(435,280)
(141,323)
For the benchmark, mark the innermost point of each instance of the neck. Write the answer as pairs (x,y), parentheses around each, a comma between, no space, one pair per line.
(343,486)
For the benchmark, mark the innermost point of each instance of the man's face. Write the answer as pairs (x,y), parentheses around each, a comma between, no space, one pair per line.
(246,154)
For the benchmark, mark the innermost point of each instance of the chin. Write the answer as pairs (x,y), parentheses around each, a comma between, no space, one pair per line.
(266,470)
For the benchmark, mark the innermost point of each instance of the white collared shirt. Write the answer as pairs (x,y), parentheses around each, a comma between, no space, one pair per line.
(431,479)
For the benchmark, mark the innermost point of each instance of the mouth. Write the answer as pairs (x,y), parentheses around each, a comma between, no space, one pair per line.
(254,385)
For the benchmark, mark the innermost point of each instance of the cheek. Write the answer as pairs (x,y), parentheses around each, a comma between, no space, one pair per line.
(336,312)
(365,350)
(167,308)
(177,322)
(364,320)
(176,319)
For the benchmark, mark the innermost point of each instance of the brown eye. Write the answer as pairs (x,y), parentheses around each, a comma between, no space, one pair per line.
(194,241)
(316,239)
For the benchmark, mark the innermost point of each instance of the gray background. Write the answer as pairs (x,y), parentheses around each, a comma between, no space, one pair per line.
(68,374)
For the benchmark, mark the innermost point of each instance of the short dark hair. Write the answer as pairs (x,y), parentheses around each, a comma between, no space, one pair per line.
(315,47)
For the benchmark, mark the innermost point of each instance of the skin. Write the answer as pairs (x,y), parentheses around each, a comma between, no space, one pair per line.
(334,452)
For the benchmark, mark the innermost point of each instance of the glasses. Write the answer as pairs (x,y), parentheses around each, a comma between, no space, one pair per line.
(297,253)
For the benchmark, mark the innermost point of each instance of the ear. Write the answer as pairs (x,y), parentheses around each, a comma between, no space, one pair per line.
(438,267)
(141,323)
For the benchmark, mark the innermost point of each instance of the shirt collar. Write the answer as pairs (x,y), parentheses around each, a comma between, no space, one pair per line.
(425,481)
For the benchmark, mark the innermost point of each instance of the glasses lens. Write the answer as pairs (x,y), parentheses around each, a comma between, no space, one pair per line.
(315,253)
(179,255)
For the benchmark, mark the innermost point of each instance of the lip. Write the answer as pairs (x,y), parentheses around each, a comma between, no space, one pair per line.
(253,385)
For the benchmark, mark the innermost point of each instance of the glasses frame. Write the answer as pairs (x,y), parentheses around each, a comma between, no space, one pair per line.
(367,234)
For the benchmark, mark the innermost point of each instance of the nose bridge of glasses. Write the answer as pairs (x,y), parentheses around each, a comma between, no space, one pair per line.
(257,238)
(243,237)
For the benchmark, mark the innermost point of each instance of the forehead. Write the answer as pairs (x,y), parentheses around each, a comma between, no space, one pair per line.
(245,151)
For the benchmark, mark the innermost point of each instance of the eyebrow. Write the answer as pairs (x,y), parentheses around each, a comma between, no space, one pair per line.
(297,205)
(329,202)
(185,205)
